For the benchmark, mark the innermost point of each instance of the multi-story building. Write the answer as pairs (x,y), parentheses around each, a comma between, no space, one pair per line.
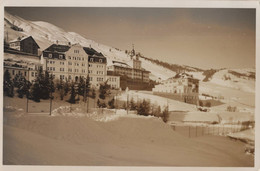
(98,70)
(25,44)
(69,62)
(29,71)
(181,87)
(65,62)
(132,69)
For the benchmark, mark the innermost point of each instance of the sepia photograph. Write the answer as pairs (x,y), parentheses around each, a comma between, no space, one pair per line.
(129,86)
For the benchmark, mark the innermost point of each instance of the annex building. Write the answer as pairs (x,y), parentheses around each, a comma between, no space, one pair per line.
(182,87)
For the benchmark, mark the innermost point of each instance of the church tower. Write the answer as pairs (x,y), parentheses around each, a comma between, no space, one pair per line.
(135,59)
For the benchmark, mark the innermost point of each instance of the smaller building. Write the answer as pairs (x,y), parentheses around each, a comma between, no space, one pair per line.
(25,44)
(29,71)
(182,87)
(113,81)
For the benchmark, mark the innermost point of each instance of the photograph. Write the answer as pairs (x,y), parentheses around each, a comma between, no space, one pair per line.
(129,86)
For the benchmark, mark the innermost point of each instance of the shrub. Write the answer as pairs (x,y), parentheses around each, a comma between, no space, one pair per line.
(208,104)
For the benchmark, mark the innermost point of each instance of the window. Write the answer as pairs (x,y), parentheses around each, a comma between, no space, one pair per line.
(61,63)
(69,57)
(61,69)
(25,73)
(60,56)
(70,63)
(62,77)
(100,60)
(13,72)
(50,55)
(91,59)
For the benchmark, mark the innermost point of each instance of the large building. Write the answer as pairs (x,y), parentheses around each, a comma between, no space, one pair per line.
(98,70)
(25,44)
(65,62)
(132,70)
(69,62)
(182,87)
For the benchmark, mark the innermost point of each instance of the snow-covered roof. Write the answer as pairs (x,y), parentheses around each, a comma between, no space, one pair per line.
(58,48)
(121,64)
(182,75)
(19,39)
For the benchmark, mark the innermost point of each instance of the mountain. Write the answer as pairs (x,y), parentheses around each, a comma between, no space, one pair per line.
(46,34)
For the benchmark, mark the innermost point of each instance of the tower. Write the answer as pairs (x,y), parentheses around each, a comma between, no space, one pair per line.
(132,53)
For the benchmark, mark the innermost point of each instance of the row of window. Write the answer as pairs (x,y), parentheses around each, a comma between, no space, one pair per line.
(50,56)
(76,51)
(77,58)
(98,66)
(51,68)
(76,64)
(77,70)
(92,60)
(112,79)
(100,79)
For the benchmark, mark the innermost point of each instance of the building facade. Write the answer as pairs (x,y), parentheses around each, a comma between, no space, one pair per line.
(182,87)
(25,44)
(65,62)
(133,70)
(70,62)
(30,72)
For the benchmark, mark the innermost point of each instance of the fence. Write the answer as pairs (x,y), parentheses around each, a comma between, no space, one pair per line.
(217,129)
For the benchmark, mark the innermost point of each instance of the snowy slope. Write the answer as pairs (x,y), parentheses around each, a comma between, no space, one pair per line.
(227,79)
(45,34)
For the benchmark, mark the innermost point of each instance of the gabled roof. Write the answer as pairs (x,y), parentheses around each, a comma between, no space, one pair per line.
(182,75)
(92,52)
(19,39)
(58,48)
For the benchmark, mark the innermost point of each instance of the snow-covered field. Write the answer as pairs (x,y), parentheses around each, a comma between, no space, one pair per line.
(128,140)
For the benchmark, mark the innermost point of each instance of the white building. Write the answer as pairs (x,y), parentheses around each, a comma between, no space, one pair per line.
(181,87)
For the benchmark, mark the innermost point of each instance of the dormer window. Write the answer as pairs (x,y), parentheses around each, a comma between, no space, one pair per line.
(50,55)
(100,60)
(91,59)
(60,56)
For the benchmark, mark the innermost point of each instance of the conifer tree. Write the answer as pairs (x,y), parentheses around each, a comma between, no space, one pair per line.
(72,98)
(132,104)
(8,84)
(111,103)
(165,114)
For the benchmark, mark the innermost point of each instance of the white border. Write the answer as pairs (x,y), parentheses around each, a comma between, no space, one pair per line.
(136,3)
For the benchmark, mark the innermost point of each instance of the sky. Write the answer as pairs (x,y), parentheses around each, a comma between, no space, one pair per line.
(204,38)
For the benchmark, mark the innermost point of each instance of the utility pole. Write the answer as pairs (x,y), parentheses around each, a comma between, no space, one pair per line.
(51,95)
(27,100)
(85,91)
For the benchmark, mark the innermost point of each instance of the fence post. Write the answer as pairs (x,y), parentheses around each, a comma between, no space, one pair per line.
(196,130)
(189,131)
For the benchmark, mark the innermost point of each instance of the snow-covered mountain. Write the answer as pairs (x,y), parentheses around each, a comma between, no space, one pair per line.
(46,34)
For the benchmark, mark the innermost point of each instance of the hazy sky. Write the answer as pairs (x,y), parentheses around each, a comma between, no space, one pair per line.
(206,38)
